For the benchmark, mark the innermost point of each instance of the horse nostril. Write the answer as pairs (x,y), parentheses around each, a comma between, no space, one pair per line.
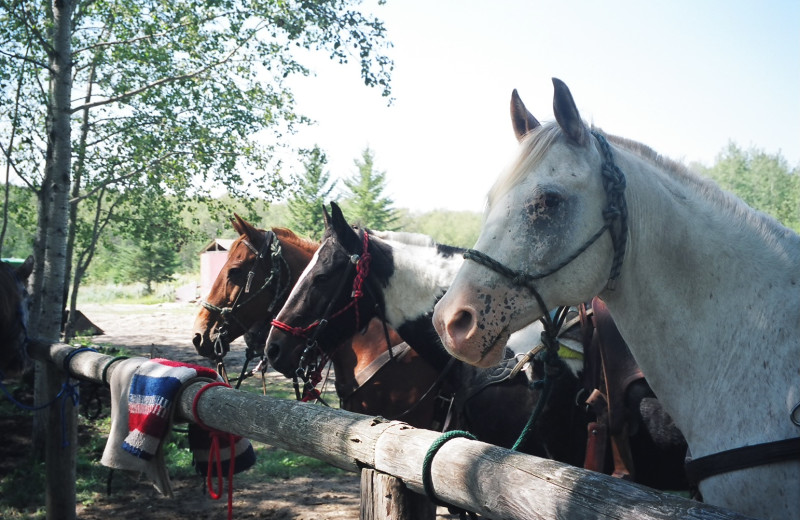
(197,340)
(273,352)
(461,324)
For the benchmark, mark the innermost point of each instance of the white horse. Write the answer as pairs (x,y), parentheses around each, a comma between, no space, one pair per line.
(707,291)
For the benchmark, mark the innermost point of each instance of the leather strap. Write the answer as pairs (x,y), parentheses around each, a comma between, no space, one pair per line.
(742,458)
(397,352)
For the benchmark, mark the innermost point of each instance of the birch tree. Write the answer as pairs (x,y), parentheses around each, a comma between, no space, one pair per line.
(128,99)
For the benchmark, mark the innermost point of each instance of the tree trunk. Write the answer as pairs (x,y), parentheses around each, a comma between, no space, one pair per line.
(49,278)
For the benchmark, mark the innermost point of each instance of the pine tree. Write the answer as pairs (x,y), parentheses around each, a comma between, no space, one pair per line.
(310,194)
(367,205)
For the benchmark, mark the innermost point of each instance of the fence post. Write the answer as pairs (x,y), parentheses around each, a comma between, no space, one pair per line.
(384,497)
(61,444)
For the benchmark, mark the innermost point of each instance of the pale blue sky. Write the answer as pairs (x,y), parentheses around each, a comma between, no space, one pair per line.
(683,77)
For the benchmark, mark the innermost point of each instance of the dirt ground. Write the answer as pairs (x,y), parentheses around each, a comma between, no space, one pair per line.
(165,331)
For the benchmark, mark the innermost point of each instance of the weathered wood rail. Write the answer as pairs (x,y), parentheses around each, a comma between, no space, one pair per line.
(492,481)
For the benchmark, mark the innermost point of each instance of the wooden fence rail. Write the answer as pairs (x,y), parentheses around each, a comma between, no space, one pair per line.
(492,481)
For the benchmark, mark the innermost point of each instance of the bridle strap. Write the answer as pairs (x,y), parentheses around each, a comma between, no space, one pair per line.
(361,263)
(615,217)
(305,370)
(278,265)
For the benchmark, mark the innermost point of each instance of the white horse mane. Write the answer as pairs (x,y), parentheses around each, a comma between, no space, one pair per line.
(405,237)
(536,143)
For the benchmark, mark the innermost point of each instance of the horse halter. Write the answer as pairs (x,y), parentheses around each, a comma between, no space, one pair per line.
(615,221)
(274,281)
(309,370)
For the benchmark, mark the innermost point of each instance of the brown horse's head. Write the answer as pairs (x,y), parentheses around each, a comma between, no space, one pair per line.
(14,316)
(261,268)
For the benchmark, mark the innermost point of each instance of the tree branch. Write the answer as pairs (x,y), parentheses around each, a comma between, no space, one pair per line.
(103,185)
(162,81)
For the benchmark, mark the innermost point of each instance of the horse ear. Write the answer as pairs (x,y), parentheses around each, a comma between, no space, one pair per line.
(325,217)
(25,270)
(337,220)
(567,114)
(346,234)
(245,228)
(522,120)
(239,224)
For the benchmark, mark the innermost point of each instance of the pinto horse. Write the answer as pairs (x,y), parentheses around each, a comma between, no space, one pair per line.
(703,288)
(405,276)
(14,316)
(260,268)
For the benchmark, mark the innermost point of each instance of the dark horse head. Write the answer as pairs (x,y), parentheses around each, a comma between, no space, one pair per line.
(14,316)
(261,268)
(334,298)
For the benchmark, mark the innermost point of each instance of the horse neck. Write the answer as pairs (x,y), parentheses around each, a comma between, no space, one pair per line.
(421,276)
(346,362)
(708,303)
(296,251)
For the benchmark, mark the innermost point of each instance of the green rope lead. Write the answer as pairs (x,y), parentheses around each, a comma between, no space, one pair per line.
(427,462)
(543,397)
(108,364)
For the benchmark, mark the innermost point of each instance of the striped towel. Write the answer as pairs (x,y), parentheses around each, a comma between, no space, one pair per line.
(153,389)
(143,394)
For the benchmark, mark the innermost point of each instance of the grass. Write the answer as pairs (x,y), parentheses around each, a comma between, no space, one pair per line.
(136,293)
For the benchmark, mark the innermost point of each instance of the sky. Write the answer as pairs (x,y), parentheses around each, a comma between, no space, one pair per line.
(683,77)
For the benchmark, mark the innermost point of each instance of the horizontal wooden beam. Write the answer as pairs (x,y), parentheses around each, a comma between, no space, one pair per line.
(492,481)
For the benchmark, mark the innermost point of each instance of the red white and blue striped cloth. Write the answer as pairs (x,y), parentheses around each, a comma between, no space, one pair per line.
(154,387)
(143,395)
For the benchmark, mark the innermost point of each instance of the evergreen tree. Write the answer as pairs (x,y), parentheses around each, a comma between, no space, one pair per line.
(367,205)
(310,194)
(150,263)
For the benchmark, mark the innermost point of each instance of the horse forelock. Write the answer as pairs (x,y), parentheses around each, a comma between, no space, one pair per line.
(532,148)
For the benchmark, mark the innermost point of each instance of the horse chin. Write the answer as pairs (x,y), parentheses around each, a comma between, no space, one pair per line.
(480,356)
(204,345)
(494,353)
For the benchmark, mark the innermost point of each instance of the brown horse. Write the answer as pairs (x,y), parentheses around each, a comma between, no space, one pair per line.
(261,268)
(14,316)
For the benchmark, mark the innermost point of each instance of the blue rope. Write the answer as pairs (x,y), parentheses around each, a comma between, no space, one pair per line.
(4,389)
(67,391)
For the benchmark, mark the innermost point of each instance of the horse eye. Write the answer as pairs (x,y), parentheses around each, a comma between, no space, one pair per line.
(543,203)
(235,274)
(552,200)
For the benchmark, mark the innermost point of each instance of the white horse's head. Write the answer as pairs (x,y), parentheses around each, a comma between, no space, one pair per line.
(548,206)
